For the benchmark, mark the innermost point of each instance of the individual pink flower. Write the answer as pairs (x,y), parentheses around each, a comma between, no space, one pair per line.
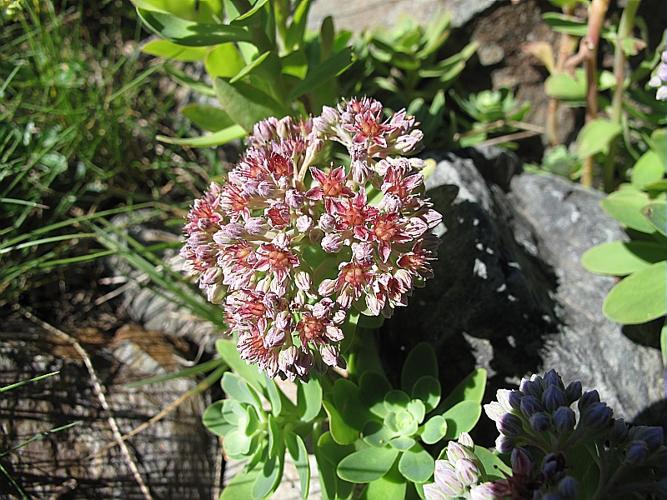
(328,185)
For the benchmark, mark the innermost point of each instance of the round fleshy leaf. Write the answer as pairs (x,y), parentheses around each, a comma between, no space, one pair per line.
(236,443)
(640,297)
(367,465)
(402,443)
(299,454)
(416,465)
(470,388)
(434,429)
(269,476)
(656,213)
(396,400)
(462,417)
(214,421)
(373,386)
(427,390)
(648,170)
(620,258)
(402,422)
(417,409)
(421,362)
(625,206)
(376,434)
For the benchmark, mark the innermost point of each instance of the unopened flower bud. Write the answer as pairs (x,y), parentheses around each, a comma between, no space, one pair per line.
(619,430)
(522,465)
(304,223)
(652,435)
(587,399)
(539,422)
(597,416)
(552,464)
(332,243)
(551,378)
(494,411)
(504,444)
(466,440)
(553,397)
(467,472)
(567,487)
(636,453)
(456,451)
(509,425)
(531,387)
(564,419)
(530,405)
(573,391)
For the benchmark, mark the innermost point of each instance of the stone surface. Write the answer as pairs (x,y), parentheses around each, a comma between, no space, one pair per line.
(357,16)
(510,294)
(176,456)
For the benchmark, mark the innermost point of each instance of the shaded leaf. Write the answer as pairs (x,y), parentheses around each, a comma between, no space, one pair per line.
(309,399)
(470,388)
(421,361)
(366,465)
(299,454)
(214,421)
(323,73)
(341,431)
(640,297)
(207,117)
(427,389)
(328,455)
(246,105)
(620,258)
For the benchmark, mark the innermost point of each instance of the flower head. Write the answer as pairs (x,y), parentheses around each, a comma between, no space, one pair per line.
(659,79)
(284,209)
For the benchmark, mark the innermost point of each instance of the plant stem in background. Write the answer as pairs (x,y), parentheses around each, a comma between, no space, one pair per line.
(567,44)
(624,32)
(588,52)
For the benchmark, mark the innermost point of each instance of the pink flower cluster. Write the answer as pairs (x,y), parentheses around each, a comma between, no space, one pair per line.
(290,247)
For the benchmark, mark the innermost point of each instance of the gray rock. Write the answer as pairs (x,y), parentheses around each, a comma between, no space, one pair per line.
(357,16)
(509,292)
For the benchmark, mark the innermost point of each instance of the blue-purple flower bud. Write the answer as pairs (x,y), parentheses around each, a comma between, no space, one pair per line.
(553,397)
(573,391)
(532,386)
(564,419)
(619,430)
(587,399)
(636,453)
(567,487)
(552,464)
(522,465)
(551,378)
(596,416)
(504,444)
(509,425)
(540,422)
(530,405)
(653,436)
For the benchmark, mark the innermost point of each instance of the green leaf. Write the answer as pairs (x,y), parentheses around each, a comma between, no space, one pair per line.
(367,465)
(328,455)
(373,386)
(192,10)
(298,452)
(470,388)
(462,417)
(658,144)
(402,443)
(295,64)
(649,169)
(229,353)
(275,436)
(566,87)
(427,389)
(663,344)
(402,422)
(322,73)
(620,258)
(236,388)
(191,34)
(214,421)
(341,431)
(296,31)
(565,24)
(170,50)
(240,486)
(640,297)
(390,486)
(421,361)
(494,467)
(376,434)
(250,67)
(246,105)
(625,206)
(596,136)
(417,409)
(275,396)
(246,17)
(656,213)
(416,464)
(269,476)
(434,429)
(209,140)
(347,400)
(224,61)
(396,400)
(309,399)
(236,444)
(207,117)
